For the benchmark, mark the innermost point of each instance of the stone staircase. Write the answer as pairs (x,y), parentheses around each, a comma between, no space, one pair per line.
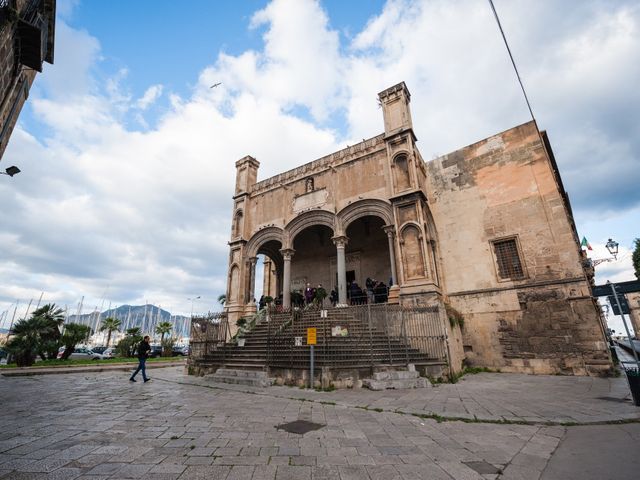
(253,378)
(272,343)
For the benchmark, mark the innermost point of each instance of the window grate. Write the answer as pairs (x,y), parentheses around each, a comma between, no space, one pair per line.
(509,264)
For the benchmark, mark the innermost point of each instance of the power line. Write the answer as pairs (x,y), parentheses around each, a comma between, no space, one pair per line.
(495,14)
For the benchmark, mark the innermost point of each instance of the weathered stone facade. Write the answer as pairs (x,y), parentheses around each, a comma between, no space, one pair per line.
(486,229)
(26,40)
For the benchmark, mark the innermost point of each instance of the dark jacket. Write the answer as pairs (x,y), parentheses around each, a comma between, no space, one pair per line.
(143,349)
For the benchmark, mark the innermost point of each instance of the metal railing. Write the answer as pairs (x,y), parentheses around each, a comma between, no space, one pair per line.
(208,333)
(351,337)
(358,336)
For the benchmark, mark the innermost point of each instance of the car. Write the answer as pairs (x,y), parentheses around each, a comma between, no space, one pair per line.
(82,353)
(99,349)
(183,350)
(110,353)
(156,351)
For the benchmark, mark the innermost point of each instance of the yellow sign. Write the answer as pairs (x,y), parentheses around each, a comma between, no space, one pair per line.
(311,336)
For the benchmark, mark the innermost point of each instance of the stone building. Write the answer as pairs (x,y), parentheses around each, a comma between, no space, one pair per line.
(487,229)
(27,30)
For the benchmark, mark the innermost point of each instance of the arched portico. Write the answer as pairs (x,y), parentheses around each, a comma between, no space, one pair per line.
(363,208)
(306,220)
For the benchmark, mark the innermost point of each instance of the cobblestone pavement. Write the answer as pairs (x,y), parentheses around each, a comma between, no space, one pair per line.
(98,426)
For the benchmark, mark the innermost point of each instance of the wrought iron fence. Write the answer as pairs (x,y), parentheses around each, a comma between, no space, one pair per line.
(208,333)
(358,336)
(350,337)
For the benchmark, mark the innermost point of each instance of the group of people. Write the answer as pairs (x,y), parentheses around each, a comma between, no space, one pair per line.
(374,292)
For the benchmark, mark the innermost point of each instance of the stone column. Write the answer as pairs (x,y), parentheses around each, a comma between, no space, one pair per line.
(287,253)
(390,231)
(252,278)
(394,289)
(341,243)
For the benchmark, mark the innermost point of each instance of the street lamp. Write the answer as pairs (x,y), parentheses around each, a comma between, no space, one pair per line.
(11,171)
(193,300)
(612,247)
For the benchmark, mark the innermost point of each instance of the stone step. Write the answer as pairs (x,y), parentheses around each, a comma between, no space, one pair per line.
(229,372)
(398,384)
(234,380)
(254,378)
(395,375)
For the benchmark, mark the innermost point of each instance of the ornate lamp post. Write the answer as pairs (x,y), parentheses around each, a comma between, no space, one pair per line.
(11,171)
(612,248)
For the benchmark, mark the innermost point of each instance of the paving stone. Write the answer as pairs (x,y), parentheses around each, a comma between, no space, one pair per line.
(288,472)
(241,472)
(205,473)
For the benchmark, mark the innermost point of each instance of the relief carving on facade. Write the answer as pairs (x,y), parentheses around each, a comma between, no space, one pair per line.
(311,199)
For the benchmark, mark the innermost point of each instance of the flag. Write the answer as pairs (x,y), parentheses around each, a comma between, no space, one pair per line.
(585,243)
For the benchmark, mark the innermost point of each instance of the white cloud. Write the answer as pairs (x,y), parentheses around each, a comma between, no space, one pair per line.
(145,215)
(150,96)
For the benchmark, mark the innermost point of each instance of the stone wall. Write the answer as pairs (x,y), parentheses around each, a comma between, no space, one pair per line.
(544,320)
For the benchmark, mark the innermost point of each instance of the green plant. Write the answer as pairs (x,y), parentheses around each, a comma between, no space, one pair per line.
(455,317)
(320,295)
(127,346)
(635,257)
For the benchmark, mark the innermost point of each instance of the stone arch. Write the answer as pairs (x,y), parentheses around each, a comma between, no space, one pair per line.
(364,208)
(308,219)
(261,237)
(233,294)
(411,244)
(401,171)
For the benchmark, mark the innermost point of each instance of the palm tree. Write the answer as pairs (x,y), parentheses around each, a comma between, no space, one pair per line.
(38,335)
(74,334)
(110,325)
(25,342)
(222,299)
(163,328)
(50,319)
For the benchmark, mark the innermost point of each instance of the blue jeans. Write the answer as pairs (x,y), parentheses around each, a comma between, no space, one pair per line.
(141,364)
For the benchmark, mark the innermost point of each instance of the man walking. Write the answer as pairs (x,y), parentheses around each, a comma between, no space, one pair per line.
(143,352)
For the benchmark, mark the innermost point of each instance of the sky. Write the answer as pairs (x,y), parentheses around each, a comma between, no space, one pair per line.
(127,154)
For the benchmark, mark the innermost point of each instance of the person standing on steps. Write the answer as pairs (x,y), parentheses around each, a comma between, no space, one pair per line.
(143,352)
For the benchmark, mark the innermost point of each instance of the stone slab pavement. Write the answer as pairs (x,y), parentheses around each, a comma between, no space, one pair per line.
(97,425)
(485,396)
(97,367)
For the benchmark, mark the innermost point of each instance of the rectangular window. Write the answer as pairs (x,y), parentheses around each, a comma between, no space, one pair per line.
(508,258)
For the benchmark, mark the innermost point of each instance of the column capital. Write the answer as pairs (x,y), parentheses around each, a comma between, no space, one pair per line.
(340,241)
(252,261)
(390,230)
(287,253)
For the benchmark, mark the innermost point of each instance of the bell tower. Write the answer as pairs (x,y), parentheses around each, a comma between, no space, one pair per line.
(395,109)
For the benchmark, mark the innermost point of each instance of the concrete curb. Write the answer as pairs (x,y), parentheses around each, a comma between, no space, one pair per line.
(118,367)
